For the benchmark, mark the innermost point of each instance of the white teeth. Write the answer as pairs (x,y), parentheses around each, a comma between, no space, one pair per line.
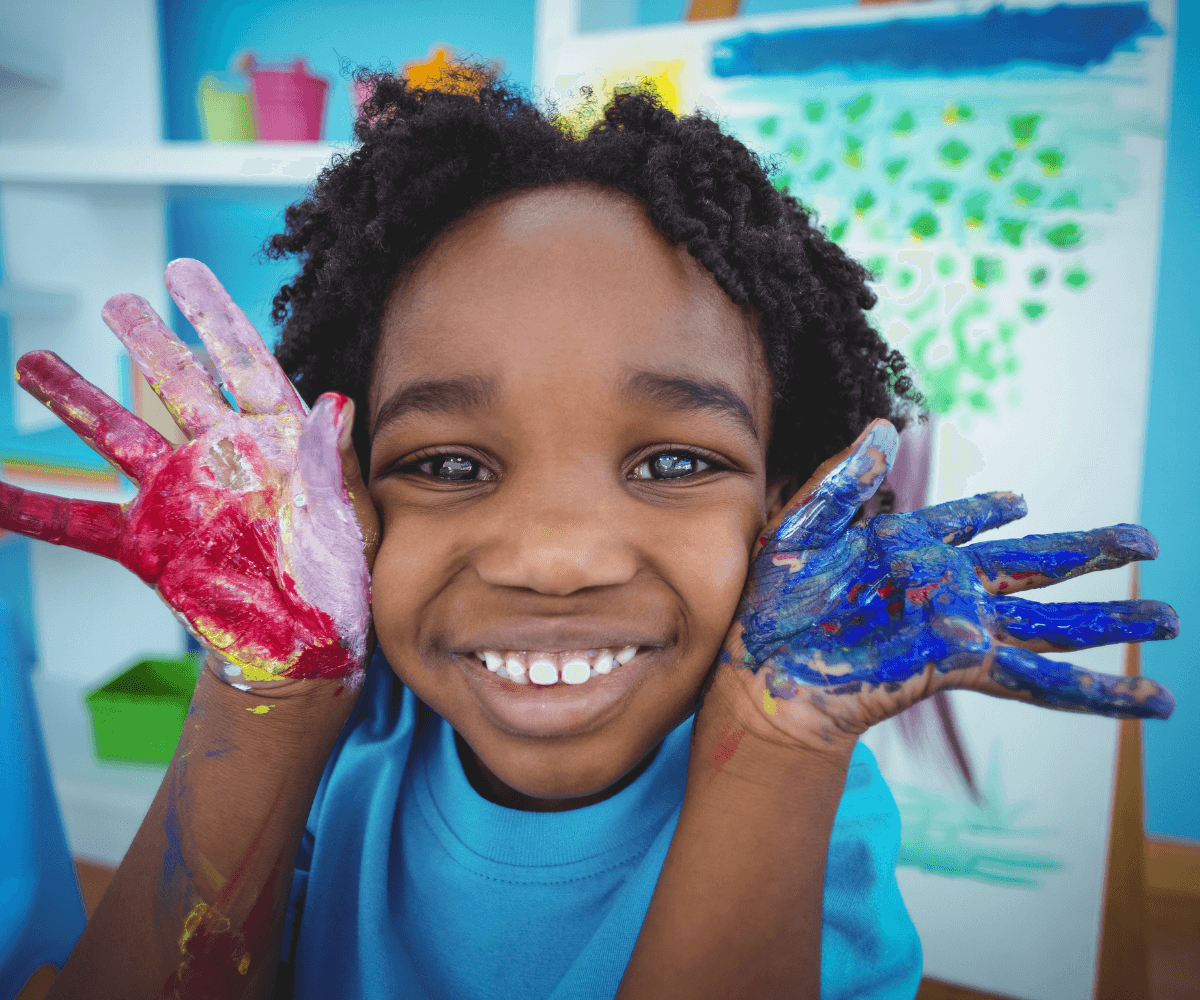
(542,671)
(545,669)
(576,671)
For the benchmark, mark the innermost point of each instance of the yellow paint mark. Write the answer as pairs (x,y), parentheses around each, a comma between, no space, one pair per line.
(438,72)
(769,705)
(214,877)
(260,709)
(244,964)
(190,923)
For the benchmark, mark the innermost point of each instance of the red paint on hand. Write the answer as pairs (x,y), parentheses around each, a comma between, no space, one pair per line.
(727,744)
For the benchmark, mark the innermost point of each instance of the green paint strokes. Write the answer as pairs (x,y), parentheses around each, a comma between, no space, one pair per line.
(838,230)
(1034,310)
(946,834)
(797,150)
(1012,230)
(782,182)
(946,265)
(1051,159)
(822,170)
(768,126)
(923,225)
(857,108)
(1076,278)
(954,152)
(1068,199)
(852,154)
(904,123)
(975,208)
(877,265)
(956,113)
(864,202)
(986,271)
(1037,276)
(999,164)
(904,277)
(1006,330)
(1066,236)
(1025,193)
(939,191)
(1024,128)
(895,167)
(926,305)
(814,111)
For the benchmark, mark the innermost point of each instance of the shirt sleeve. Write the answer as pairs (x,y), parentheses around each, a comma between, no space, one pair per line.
(869,946)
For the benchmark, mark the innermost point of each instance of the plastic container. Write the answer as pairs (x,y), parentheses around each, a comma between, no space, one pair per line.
(139,714)
(288,102)
(224,111)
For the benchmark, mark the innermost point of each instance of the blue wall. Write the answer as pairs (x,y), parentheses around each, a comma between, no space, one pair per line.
(1171,491)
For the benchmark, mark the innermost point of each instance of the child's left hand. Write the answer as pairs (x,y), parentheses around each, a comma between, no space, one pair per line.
(841,627)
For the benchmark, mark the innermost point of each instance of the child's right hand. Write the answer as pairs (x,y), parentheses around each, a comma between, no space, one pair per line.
(257,531)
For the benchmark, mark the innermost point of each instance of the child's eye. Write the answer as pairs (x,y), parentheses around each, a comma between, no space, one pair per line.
(453,468)
(671,465)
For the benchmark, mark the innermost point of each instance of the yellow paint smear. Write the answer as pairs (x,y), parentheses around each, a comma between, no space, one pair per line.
(260,709)
(769,705)
(190,923)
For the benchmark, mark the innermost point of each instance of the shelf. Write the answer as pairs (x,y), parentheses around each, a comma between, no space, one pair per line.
(35,303)
(167,164)
(22,66)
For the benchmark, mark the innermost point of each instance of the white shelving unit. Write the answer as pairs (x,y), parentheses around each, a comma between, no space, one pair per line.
(165,164)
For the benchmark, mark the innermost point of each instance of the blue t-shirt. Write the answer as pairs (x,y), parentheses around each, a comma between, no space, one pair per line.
(411,884)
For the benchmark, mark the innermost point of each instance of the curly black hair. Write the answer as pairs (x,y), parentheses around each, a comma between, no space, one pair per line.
(426,157)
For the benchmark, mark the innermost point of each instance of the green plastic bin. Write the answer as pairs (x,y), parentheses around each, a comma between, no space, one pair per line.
(139,714)
(224,111)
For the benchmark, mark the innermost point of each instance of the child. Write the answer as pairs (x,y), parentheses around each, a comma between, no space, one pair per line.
(583,374)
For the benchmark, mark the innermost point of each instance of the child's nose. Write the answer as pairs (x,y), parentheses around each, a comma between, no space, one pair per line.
(557,545)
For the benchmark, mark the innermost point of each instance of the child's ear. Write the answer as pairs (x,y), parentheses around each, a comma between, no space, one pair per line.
(780,489)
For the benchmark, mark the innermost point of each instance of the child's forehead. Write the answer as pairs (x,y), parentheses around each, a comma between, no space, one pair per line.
(571,281)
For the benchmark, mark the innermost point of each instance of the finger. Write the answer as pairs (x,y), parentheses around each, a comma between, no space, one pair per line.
(815,519)
(1014,564)
(103,423)
(81,524)
(1045,628)
(1059,685)
(178,379)
(250,372)
(959,521)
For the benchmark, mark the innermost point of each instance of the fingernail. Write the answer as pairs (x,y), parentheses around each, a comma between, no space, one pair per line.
(346,424)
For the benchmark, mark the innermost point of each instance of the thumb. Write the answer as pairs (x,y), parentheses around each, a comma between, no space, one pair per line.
(330,426)
(828,501)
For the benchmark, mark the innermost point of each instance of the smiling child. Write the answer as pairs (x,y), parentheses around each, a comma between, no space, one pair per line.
(619,405)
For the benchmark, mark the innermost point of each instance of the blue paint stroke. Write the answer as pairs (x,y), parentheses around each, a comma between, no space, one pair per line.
(1071,36)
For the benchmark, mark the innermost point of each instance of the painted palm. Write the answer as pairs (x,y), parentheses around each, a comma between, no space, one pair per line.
(974,212)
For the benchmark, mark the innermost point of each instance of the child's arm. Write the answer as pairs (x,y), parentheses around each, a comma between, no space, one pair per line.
(257,533)
(839,628)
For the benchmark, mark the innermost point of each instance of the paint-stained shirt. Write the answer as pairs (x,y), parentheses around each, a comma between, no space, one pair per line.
(411,884)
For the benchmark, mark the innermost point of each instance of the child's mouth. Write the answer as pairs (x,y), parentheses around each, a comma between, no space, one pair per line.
(543,669)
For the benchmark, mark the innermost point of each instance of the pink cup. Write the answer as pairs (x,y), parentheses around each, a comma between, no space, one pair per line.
(289,102)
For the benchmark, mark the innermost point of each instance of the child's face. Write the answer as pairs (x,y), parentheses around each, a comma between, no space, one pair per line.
(550,361)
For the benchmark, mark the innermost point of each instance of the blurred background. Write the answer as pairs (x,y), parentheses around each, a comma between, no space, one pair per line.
(133,132)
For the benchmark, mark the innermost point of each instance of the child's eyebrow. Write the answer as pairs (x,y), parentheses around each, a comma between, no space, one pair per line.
(435,395)
(678,392)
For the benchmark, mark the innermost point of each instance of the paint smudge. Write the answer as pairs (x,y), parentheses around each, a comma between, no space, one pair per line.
(727,744)
(260,709)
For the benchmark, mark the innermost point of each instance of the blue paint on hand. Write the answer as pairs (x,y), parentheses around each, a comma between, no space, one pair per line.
(840,610)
